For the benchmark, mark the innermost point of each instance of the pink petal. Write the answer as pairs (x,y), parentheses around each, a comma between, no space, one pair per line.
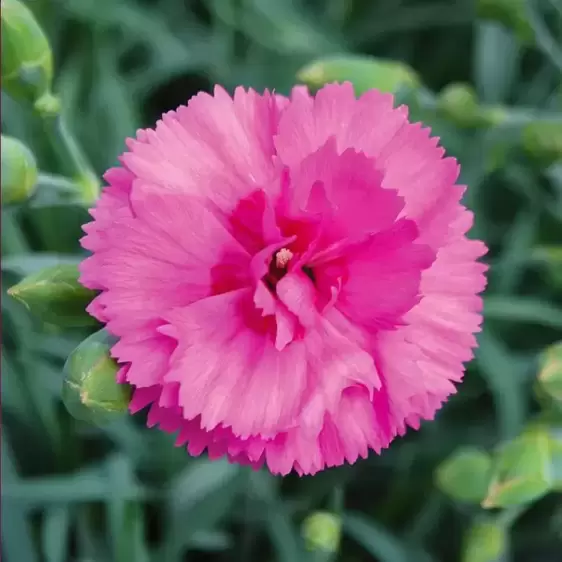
(383,277)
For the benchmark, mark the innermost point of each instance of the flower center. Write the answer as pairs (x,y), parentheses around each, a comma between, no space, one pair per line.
(277,267)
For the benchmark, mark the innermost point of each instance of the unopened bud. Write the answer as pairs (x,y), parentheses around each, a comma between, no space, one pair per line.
(19,171)
(485,541)
(550,376)
(459,103)
(27,60)
(363,72)
(522,471)
(90,390)
(543,141)
(322,531)
(55,295)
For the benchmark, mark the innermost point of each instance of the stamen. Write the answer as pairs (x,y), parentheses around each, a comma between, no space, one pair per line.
(283,257)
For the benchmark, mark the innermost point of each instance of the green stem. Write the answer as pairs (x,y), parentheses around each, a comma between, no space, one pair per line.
(72,158)
(13,239)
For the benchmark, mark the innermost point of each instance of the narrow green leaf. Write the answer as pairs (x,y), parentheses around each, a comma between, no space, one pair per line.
(496,61)
(126,517)
(199,497)
(28,264)
(379,542)
(17,536)
(528,310)
(55,534)
(287,542)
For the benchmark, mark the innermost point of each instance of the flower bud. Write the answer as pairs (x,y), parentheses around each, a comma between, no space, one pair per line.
(90,389)
(459,103)
(465,475)
(55,295)
(486,541)
(363,72)
(322,531)
(550,375)
(522,471)
(511,13)
(27,60)
(543,141)
(19,171)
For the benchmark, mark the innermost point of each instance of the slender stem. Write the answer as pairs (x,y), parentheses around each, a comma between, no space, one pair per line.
(56,183)
(72,158)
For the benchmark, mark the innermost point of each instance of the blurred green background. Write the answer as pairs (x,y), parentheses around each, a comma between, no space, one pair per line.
(74,492)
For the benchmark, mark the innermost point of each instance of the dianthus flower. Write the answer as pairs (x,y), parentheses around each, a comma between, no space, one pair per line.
(289,279)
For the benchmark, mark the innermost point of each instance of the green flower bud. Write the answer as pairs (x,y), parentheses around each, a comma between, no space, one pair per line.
(522,471)
(543,141)
(90,390)
(363,72)
(551,258)
(459,103)
(486,541)
(19,171)
(511,13)
(550,376)
(322,531)
(27,60)
(55,295)
(465,476)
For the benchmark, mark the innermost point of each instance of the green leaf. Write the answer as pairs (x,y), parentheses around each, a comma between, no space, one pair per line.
(126,517)
(465,476)
(364,72)
(90,389)
(522,471)
(379,542)
(55,534)
(199,497)
(90,484)
(285,538)
(510,13)
(497,59)
(55,295)
(28,264)
(17,535)
(528,310)
(486,541)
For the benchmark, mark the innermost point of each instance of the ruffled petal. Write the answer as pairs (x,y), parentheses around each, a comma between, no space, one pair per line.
(383,277)
(229,370)
(351,200)
(171,253)
(217,147)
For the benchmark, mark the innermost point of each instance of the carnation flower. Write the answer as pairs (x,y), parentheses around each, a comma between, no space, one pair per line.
(289,279)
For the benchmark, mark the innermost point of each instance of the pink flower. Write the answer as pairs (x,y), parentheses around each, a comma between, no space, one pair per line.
(289,279)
